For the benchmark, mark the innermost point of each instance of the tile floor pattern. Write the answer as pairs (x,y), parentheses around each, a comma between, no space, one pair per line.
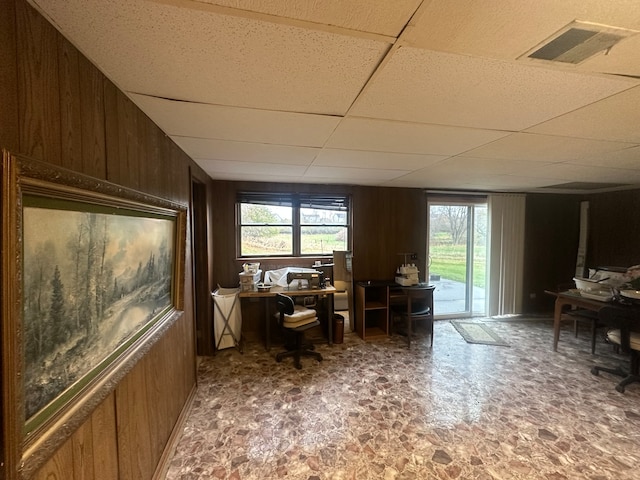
(378,411)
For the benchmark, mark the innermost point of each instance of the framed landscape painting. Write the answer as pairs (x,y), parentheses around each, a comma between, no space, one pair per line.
(92,275)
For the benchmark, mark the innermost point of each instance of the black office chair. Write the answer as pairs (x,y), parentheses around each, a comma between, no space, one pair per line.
(613,316)
(419,306)
(294,320)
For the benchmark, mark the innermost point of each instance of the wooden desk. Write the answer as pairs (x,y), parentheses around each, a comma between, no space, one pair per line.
(327,292)
(616,315)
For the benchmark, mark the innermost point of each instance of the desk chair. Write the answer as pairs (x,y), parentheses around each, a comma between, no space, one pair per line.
(294,320)
(631,376)
(632,344)
(419,306)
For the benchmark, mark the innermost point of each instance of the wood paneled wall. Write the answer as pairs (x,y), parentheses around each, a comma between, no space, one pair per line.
(614,233)
(386,223)
(57,107)
(8,77)
(551,246)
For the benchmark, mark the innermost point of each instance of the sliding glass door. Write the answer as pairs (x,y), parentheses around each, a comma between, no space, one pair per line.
(457,257)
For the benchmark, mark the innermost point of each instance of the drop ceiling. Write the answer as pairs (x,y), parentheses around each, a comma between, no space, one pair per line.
(426,94)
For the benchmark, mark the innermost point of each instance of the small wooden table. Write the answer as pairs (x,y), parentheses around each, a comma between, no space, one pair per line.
(618,315)
(327,292)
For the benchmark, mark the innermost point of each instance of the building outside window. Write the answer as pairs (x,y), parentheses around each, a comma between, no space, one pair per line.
(276,224)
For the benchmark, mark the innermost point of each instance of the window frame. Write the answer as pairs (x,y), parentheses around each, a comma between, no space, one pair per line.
(297,201)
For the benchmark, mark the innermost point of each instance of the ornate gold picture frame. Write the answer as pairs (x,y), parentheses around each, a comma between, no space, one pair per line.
(92,275)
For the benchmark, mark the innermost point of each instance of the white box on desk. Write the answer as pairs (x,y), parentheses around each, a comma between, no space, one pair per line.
(248,287)
(246,277)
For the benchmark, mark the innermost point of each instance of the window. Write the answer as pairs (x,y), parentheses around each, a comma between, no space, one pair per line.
(272,224)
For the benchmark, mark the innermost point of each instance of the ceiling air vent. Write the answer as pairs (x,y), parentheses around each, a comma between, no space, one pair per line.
(577,42)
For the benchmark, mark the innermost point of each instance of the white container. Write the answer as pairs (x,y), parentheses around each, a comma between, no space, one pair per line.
(248,287)
(586,285)
(407,281)
(250,277)
(251,267)
(227,318)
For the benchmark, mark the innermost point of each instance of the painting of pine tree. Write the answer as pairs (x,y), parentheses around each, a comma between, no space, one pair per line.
(91,281)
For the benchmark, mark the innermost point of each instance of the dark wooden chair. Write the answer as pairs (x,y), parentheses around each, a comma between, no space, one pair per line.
(581,316)
(418,306)
(294,320)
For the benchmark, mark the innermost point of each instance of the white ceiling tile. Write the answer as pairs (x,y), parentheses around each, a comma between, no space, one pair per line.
(217,167)
(512,183)
(543,148)
(621,59)
(446,89)
(376,16)
(354,174)
(204,148)
(399,137)
(509,28)
(259,177)
(417,181)
(429,177)
(193,55)
(464,165)
(268,82)
(332,157)
(584,173)
(239,124)
(472,174)
(625,159)
(339,180)
(614,118)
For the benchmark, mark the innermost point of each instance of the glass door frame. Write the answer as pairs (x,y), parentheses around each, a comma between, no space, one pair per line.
(470,202)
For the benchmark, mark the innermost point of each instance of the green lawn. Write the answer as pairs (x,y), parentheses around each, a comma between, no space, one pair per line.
(448,261)
(280,244)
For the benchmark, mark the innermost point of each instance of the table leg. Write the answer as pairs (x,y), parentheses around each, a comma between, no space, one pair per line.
(267,324)
(330,315)
(556,322)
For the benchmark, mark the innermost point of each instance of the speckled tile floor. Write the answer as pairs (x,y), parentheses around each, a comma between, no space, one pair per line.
(376,410)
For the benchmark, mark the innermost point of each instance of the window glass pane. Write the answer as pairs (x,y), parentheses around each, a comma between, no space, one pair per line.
(266,240)
(265,214)
(322,240)
(317,216)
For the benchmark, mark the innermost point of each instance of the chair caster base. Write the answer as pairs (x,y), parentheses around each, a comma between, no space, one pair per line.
(626,377)
(297,355)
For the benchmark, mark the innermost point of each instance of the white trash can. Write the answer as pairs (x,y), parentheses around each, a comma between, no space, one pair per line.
(227,318)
